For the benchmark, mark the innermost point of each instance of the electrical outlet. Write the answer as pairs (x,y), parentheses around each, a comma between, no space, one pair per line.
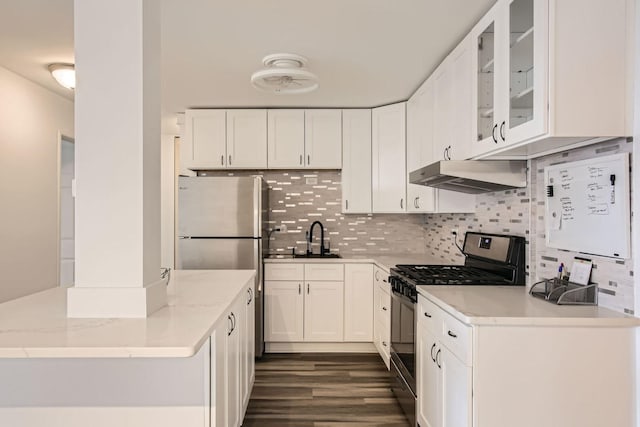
(283,228)
(454,231)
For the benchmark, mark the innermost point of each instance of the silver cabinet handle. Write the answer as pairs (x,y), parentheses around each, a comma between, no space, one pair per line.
(222,160)
(308,160)
(250,293)
(438,358)
(229,160)
(384,308)
(230,325)
(432,348)
(427,314)
(301,159)
(299,289)
(401,203)
(346,202)
(451,334)
(307,289)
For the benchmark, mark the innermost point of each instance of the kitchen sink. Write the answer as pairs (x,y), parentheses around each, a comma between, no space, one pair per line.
(317,256)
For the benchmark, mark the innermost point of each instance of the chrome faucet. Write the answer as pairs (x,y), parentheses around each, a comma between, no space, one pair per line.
(322,250)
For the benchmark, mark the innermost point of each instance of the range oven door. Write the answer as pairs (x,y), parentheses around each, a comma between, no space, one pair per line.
(403,337)
(403,350)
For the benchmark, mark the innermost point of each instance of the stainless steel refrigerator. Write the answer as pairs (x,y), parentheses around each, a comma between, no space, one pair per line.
(221,223)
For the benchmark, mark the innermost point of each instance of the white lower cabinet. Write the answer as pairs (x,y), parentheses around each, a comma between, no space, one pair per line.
(306,305)
(358,302)
(323,311)
(443,377)
(382,314)
(232,368)
(283,311)
(498,372)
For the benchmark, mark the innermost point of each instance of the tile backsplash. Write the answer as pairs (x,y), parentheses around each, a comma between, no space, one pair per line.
(300,197)
(297,205)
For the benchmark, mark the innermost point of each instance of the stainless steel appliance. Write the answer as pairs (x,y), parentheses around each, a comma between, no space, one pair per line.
(490,259)
(472,176)
(221,223)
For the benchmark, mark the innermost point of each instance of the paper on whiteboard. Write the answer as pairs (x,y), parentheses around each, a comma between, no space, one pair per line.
(555,220)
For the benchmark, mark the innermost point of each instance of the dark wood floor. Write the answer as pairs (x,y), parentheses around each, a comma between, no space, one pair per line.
(322,390)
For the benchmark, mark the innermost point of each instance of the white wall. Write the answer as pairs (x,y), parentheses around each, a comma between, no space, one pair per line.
(30,119)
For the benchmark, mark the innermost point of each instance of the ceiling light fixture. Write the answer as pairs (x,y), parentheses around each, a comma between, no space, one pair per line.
(65,74)
(284,74)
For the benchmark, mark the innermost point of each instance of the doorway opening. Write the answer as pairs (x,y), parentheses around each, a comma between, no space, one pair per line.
(66,213)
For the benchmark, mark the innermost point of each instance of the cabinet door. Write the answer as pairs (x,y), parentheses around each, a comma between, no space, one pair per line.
(323,139)
(247,353)
(526,56)
(456,390)
(428,379)
(443,104)
(388,158)
(358,302)
(323,311)
(285,139)
(283,311)
(420,111)
(234,405)
(204,144)
(356,161)
(485,37)
(247,139)
(218,370)
(461,111)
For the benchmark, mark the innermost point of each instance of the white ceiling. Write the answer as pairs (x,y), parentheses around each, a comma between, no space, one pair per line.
(365,52)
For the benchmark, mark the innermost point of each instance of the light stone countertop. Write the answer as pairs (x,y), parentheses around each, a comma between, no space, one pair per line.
(384,261)
(37,326)
(513,306)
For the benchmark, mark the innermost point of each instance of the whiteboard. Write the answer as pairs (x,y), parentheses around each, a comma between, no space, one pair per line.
(585,211)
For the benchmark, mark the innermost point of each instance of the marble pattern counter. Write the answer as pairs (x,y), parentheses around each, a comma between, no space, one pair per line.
(386,261)
(36,325)
(513,306)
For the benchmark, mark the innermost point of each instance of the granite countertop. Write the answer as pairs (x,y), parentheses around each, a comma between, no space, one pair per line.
(37,325)
(513,306)
(384,261)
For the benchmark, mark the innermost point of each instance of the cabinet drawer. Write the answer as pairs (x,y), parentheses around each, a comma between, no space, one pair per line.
(324,271)
(284,271)
(456,336)
(429,315)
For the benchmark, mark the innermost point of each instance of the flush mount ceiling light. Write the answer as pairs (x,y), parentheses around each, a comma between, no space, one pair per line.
(65,74)
(284,74)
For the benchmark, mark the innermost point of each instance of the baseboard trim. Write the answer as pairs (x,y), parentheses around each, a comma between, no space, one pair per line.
(320,347)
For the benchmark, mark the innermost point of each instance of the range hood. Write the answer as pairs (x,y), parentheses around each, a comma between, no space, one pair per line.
(472,176)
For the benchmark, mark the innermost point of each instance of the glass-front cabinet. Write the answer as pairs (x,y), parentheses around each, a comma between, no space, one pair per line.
(510,81)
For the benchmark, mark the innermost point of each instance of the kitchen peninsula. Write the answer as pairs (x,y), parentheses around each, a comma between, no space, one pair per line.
(189,364)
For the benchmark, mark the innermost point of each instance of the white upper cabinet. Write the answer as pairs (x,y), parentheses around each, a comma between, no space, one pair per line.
(420,122)
(204,143)
(323,139)
(546,77)
(439,129)
(356,161)
(220,139)
(309,139)
(285,139)
(388,144)
(452,104)
(247,139)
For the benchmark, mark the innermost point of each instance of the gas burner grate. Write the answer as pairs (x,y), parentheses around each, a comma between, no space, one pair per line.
(449,275)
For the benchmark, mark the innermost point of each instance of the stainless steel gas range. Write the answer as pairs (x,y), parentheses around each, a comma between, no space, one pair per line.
(490,259)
